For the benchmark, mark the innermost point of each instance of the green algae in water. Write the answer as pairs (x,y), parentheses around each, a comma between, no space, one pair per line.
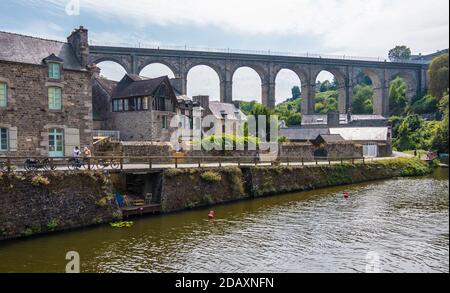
(121,224)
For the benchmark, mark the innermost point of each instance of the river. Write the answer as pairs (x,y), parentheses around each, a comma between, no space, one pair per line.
(401,225)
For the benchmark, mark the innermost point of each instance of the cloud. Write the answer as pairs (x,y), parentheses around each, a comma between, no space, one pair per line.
(357,27)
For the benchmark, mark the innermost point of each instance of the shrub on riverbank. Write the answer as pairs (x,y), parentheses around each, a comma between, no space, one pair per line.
(407,166)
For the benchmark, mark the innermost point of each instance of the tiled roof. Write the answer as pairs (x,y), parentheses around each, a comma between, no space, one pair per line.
(30,50)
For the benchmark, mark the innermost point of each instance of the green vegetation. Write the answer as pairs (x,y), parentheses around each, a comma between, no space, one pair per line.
(39,180)
(362,99)
(122,224)
(408,166)
(438,76)
(228,140)
(326,102)
(399,53)
(290,111)
(441,137)
(397,97)
(52,225)
(211,176)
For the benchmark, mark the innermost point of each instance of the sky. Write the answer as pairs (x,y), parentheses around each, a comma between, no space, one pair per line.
(336,27)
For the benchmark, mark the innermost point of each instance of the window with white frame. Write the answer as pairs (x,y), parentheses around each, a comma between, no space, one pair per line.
(3,94)
(54,98)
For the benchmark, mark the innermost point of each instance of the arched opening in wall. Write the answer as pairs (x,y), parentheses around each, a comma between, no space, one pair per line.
(202,80)
(327,93)
(247,86)
(363,98)
(288,97)
(398,96)
(155,70)
(111,70)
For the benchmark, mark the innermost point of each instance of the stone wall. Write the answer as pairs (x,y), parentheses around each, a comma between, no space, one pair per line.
(384,150)
(300,150)
(141,125)
(344,150)
(28,117)
(275,180)
(189,188)
(29,205)
(146,149)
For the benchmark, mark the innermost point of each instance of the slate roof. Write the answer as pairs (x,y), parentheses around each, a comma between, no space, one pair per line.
(136,86)
(107,85)
(233,113)
(303,133)
(331,138)
(31,50)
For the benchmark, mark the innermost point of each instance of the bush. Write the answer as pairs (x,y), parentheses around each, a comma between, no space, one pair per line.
(39,180)
(211,176)
(52,225)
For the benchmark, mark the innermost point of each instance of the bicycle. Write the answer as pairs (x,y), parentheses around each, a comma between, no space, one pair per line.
(103,164)
(36,164)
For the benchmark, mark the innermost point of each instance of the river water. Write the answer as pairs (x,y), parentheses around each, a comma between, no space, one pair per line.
(399,225)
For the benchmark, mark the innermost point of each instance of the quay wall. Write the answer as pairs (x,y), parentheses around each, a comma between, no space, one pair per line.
(33,204)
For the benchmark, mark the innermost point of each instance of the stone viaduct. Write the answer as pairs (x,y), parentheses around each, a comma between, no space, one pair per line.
(133,60)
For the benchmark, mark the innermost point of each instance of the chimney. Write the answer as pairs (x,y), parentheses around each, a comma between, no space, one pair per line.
(203,101)
(79,42)
(333,119)
(94,70)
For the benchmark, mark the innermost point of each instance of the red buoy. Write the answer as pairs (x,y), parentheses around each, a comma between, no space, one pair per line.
(346,194)
(211,215)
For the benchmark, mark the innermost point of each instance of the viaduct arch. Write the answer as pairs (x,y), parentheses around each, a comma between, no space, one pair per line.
(134,60)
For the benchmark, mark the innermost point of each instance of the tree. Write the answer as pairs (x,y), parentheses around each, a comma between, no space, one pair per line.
(363,79)
(296,92)
(438,76)
(441,139)
(400,53)
(362,100)
(409,136)
(397,97)
(425,105)
(261,110)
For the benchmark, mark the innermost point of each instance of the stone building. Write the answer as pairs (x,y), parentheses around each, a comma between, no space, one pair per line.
(45,95)
(140,108)
(372,132)
(227,117)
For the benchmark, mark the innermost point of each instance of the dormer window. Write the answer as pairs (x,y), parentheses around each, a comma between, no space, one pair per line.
(54,70)
(54,64)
